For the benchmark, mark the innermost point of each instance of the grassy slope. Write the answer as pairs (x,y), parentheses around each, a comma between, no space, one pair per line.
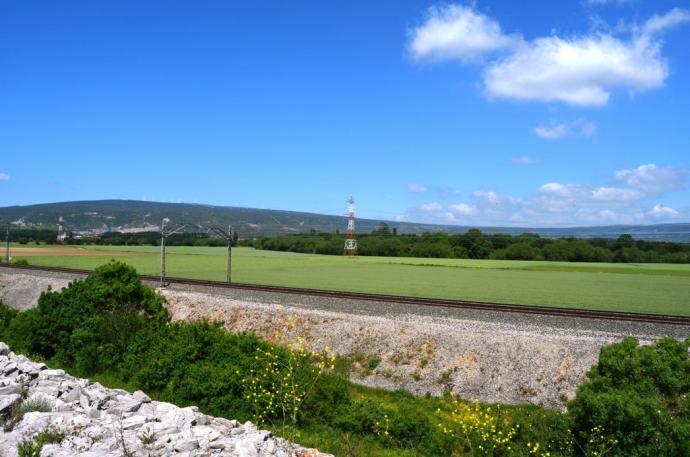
(659,288)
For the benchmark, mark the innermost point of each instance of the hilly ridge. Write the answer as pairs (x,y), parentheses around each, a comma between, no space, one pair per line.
(99,216)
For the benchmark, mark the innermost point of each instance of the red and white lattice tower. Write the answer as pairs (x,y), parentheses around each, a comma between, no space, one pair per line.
(350,241)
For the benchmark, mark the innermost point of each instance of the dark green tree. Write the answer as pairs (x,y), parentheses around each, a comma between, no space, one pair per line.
(637,397)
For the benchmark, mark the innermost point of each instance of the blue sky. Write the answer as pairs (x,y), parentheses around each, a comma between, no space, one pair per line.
(493,113)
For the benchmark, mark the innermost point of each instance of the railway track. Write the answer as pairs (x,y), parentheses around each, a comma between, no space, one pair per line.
(436,302)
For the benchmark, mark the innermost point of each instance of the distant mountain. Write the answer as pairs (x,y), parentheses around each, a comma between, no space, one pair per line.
(99,216)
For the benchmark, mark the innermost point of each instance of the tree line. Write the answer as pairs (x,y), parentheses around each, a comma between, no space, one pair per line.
(26,236)
(472,244)
(477,245)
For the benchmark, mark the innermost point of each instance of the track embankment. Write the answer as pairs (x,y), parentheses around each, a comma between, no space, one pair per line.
(479,354)
(581,313)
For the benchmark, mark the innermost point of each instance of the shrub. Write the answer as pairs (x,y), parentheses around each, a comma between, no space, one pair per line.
(26,406)
(89,324)
(192,363)
(6,316)
(29,448)
(360,417)
(636,397)
(32,448)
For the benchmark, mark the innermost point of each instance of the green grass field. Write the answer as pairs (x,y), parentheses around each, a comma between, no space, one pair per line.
(653,288)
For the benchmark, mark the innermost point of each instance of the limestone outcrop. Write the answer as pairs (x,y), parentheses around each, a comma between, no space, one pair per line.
(83,418)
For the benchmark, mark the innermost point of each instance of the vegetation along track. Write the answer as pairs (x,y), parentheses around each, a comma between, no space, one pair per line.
(475,305)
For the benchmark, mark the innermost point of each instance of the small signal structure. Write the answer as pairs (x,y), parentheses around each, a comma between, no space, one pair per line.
(62,235)
(228,236)
(350,240)
(165,233)
(7,245)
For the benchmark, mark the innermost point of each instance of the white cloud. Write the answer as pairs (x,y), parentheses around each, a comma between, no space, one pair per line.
(557,130)
(607,2)
(417,188)
(525,160)
(4,177)
(583,70)
(457,32)
(553,132)
(580,70)
(556,203)
(428,207)
(669,20)
(586,194)
(463,209)
(653,179)
(486,196)
(661,211)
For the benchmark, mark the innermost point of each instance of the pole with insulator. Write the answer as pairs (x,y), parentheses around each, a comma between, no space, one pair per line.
(227,236)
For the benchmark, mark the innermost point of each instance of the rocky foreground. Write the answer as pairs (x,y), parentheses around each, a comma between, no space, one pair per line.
(85,419)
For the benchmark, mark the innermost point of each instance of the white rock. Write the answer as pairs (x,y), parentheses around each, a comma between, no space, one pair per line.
(246,448)
(92,432)
(141,396)
(73,395)
(217,445)
(7,401)
(52,373)
(134,422)
(84,401)
(162,430)
(11,388)
(186,445)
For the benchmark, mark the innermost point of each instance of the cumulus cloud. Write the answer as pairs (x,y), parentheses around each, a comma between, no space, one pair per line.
(552,132)
(463,209)
(433,206)
(557,130)
(417,188)
(579,70)
(654,179)
(557,203)
(586,194)
(457,32)
(659,23)
(661,211)
(4,177)
(524,160)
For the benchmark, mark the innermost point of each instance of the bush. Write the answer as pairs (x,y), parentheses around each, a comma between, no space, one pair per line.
(360,417)
(32,448)
(29,448)
(193,363)
(89,324)
(26,406)
(7,314)
(636,401)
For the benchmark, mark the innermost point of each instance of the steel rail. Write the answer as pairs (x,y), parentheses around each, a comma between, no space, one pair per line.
(649,318)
